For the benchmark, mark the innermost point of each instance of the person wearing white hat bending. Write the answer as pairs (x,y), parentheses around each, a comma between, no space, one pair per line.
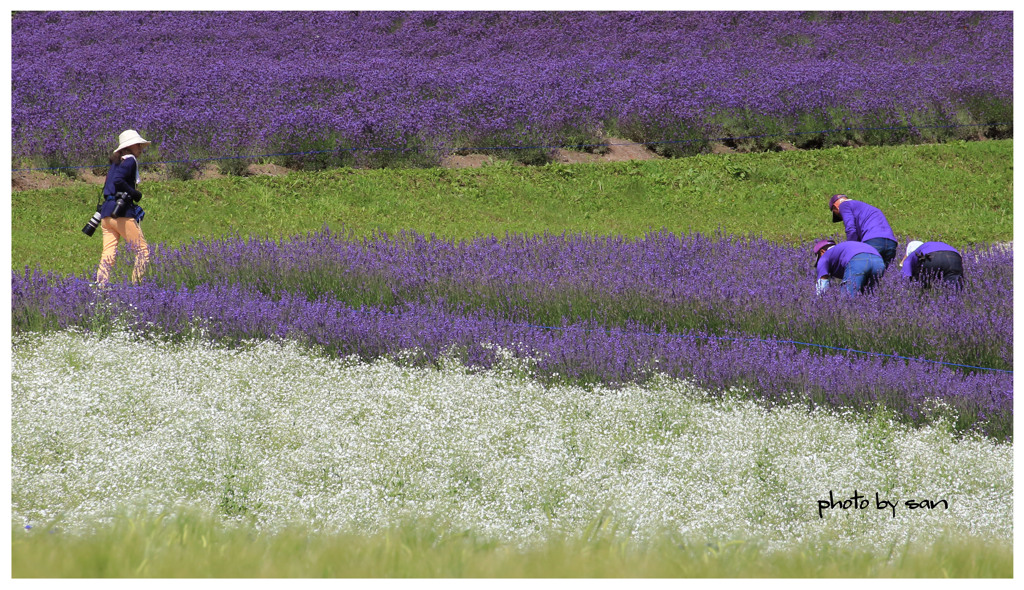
(120,214)
(926,261)
(857,264)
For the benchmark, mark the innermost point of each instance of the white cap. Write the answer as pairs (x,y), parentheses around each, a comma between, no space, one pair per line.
(913,246)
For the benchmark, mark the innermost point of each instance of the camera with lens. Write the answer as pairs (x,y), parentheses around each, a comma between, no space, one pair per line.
(122,202)
(94,222)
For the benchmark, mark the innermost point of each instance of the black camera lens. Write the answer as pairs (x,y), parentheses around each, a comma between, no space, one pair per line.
(93,223)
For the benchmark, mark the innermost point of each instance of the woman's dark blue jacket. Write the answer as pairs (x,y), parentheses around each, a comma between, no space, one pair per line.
(121,179)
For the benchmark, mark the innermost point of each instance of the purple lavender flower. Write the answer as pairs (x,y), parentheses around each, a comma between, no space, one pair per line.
(374,86)
(586,347)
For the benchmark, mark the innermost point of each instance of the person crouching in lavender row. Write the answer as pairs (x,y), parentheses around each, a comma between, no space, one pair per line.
(857,264)
(864,223)
(120,214)
(928,261)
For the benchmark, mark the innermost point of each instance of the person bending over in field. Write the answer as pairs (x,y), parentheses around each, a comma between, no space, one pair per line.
(928,261)
(120,214)
(864,223)
(856,264)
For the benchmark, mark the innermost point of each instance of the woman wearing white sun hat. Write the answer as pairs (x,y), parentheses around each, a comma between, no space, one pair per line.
(120,214)
(857,264)
(926,261)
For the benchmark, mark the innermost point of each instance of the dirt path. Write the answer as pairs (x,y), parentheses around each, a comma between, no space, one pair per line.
(619,150)
(36,179)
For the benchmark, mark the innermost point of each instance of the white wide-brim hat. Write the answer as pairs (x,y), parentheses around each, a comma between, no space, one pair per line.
(913,246)
(129,137)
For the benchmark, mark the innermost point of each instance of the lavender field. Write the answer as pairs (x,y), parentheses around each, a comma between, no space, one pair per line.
(380,88)
(584,377)
(721,311)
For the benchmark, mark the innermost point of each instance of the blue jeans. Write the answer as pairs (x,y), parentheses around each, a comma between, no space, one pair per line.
(863,271)
(886,248)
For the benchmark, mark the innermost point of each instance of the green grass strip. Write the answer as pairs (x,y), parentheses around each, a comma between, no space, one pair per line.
(193,546)
(959,193)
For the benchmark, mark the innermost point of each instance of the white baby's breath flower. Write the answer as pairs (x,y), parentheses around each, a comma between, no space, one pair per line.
(270,434)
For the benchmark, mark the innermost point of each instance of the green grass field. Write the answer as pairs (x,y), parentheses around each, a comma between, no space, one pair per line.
(190,546)
(959,193)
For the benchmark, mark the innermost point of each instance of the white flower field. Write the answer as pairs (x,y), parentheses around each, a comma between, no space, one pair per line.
(273,435)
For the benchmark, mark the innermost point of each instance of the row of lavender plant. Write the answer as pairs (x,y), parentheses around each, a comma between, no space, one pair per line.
(573,351)
(236,83)
(710,283)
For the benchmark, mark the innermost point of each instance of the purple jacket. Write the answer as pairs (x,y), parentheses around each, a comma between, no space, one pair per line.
(910,264)
(833,262)
(864,222)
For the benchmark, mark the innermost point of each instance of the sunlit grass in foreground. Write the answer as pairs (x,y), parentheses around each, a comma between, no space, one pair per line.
(189,545)
(298,465)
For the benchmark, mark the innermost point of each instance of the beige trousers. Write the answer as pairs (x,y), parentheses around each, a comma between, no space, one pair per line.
(115,228)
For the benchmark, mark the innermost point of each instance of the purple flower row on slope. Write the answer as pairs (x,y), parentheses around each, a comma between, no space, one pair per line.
(201,84)
(574,351)
(716,284)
